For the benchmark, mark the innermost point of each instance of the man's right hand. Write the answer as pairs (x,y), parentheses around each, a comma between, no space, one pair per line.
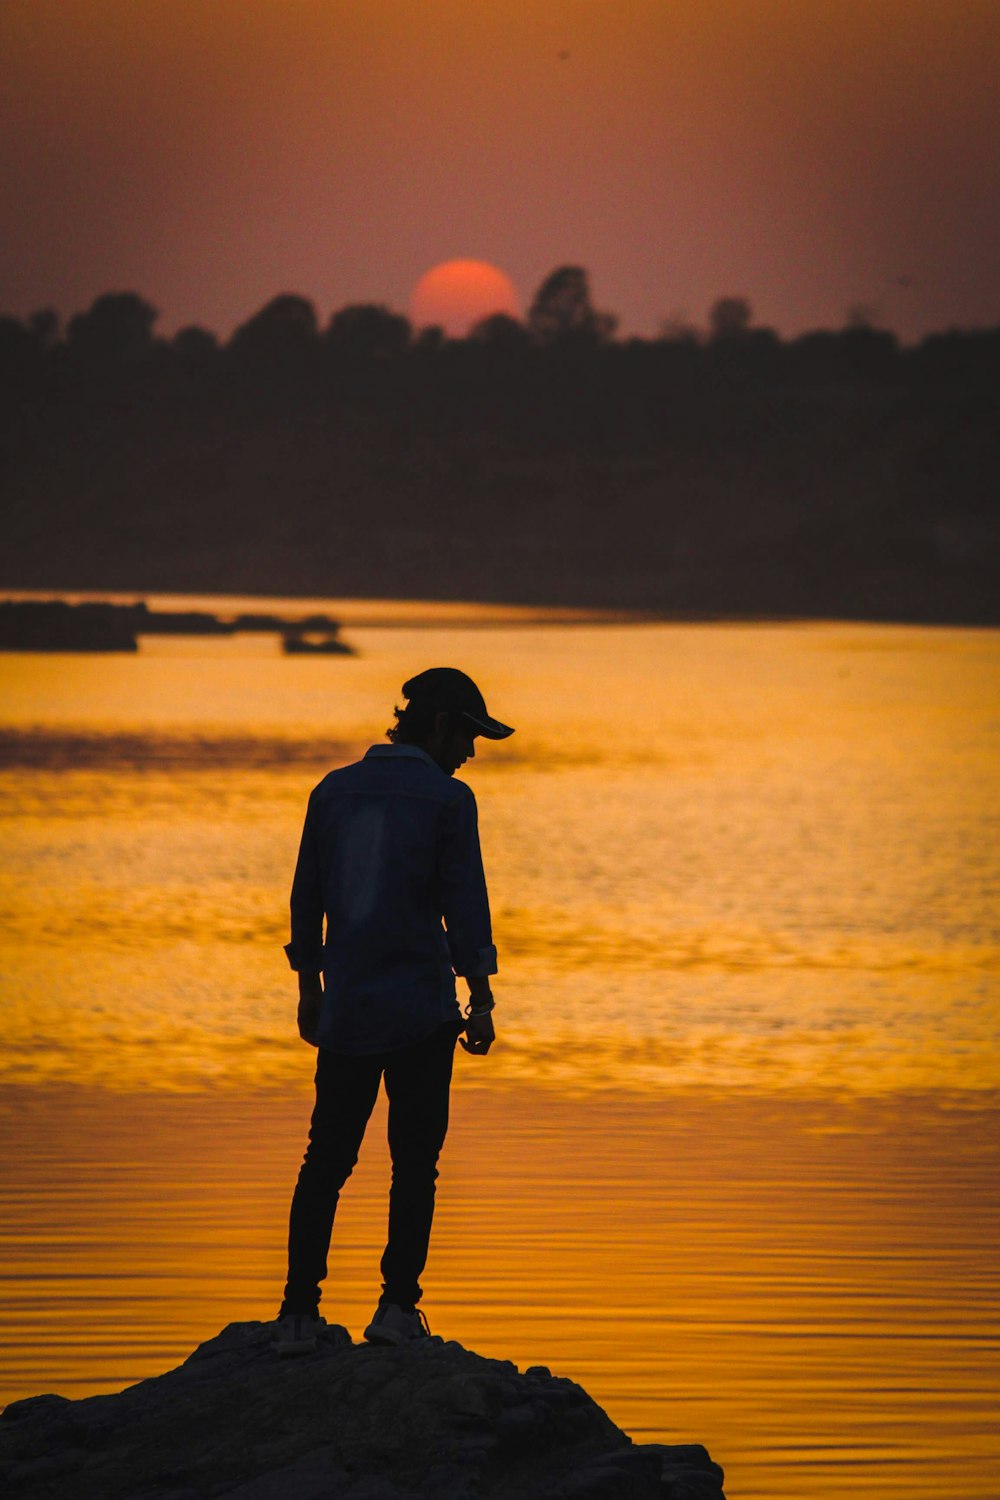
(310,1004)
(479,1034)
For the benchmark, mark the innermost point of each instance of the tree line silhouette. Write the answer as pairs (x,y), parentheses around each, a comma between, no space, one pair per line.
(724,470)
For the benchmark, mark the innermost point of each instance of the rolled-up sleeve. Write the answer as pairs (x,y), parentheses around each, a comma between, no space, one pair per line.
(305,951)
(464,900)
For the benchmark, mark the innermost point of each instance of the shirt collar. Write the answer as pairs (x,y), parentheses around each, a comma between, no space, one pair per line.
(396,750)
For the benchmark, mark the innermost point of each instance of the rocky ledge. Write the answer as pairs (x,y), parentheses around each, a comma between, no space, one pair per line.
(349,1422)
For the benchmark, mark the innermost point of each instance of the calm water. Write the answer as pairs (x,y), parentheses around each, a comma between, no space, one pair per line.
(733,1164)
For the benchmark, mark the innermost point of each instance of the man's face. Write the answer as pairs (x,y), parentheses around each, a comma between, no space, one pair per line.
(452,745)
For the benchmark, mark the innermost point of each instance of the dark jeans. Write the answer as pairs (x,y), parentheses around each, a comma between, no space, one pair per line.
(417,1082)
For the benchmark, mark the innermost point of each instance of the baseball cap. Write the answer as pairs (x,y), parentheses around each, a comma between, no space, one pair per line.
(448,688)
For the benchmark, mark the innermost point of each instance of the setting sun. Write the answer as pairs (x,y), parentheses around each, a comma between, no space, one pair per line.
(458,294)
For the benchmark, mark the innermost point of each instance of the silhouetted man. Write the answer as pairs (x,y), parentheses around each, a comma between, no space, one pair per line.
(390,856)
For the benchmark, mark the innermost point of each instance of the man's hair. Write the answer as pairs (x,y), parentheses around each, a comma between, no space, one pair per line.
(415,723)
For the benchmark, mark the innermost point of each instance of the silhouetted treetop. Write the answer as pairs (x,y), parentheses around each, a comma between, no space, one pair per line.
(368,330)
(562,310)
(729,318)
(430,339)
(195,346)
(117,329)
(15,340)
(285,326)
(500,331)
(44,327)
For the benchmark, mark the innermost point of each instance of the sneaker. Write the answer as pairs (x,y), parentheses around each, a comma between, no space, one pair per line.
(393,1325)
(296,1333)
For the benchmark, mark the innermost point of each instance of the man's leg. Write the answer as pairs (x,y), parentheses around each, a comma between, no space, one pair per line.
(346,1090)
(417,1081)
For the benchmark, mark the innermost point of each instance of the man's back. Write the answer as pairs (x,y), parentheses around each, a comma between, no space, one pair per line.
(389,849)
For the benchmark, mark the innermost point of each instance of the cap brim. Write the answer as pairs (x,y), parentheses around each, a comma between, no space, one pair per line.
(490,729)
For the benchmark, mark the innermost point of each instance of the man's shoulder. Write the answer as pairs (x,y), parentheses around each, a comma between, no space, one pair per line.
(411,774)
(328,783)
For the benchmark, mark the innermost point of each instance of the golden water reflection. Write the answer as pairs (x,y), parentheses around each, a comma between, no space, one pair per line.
(811,1289)
(732,1163)
(729,856)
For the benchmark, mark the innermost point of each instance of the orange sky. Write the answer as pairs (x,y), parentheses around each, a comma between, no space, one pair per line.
(812,155)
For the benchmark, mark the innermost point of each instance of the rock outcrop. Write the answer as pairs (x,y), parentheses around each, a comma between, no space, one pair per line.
(349,1422)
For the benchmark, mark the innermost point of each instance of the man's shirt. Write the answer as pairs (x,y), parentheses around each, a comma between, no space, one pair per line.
(389,852)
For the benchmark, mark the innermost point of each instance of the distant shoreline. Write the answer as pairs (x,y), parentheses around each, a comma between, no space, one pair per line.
(370,612)
(366,610)
(103,625)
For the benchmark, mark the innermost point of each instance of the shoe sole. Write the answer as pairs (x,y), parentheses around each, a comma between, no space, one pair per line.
(377,1336)
(394,1340)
